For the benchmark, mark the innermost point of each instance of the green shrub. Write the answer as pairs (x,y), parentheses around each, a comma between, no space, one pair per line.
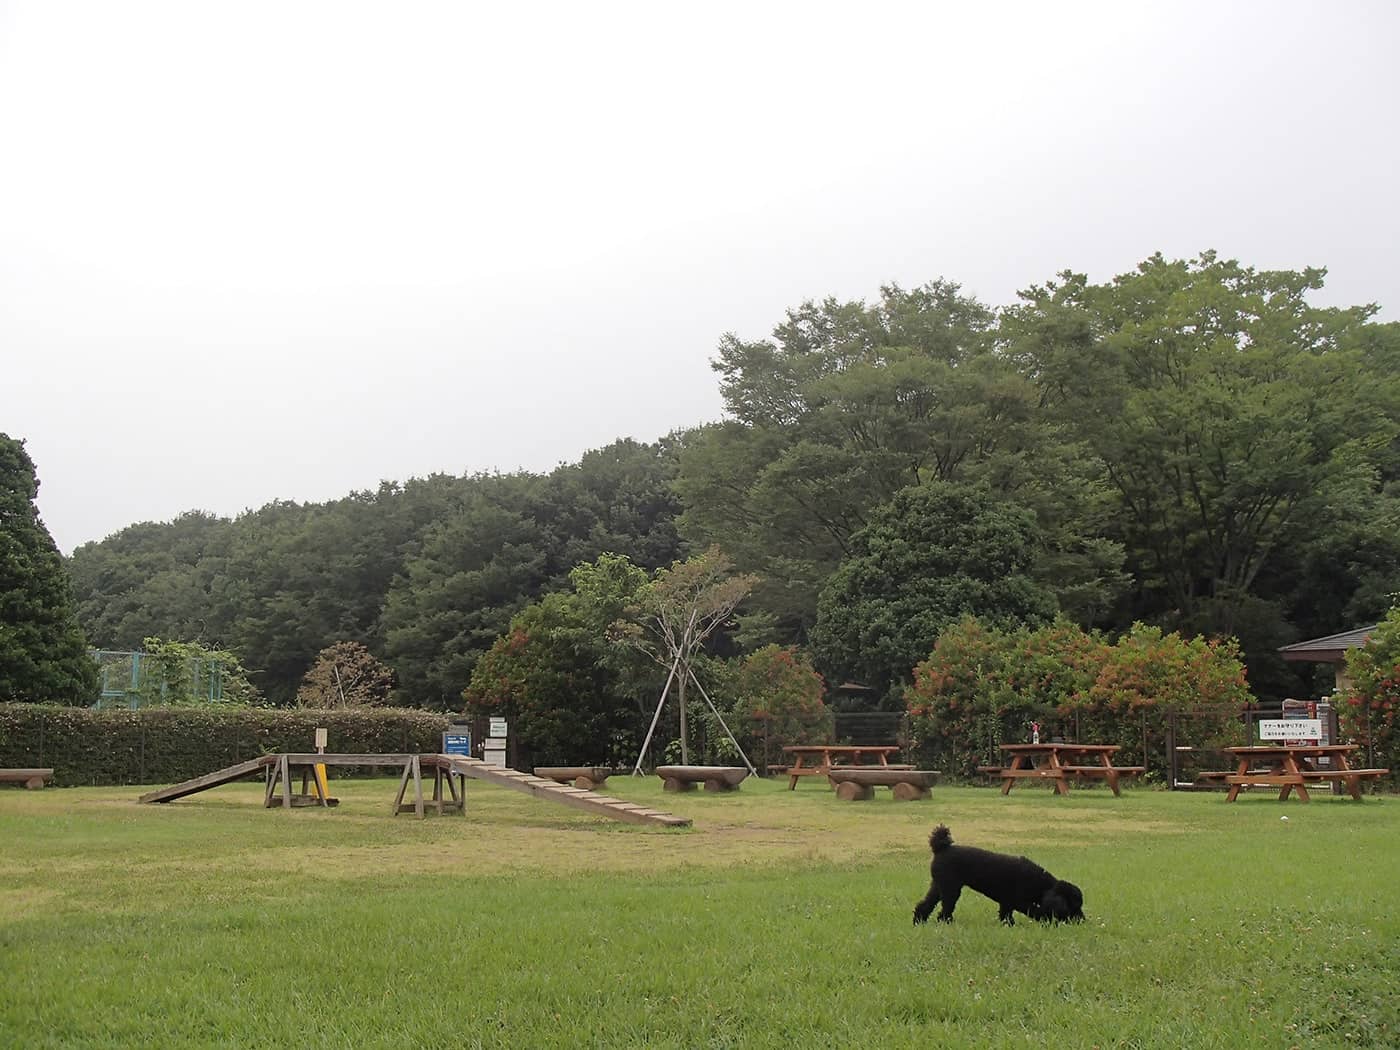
(166,745)
(1369,709)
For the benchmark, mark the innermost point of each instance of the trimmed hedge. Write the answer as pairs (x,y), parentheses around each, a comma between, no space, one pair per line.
(86,746)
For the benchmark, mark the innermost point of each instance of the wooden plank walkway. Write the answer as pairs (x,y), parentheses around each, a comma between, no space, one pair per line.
(578,798)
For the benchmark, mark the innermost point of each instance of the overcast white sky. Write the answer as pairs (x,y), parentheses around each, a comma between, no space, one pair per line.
(254,251)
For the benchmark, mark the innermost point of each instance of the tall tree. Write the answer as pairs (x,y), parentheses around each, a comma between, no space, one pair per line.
(475,571)
(677,612)
(935,554)
(43,654)
(850,403)
(1229,415)
(571,697)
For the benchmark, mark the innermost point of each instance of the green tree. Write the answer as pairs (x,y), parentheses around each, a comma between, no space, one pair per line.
(850,403)
(43,653)
(676,612)
(152,579)
(1369,707)
(1228,413)
(936,553)
(474,572)
(571,696)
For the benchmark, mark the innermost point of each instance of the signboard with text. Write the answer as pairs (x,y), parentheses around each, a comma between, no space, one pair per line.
(1292,730)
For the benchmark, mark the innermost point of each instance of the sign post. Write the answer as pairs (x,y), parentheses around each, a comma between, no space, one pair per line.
(494,748)
(321,766)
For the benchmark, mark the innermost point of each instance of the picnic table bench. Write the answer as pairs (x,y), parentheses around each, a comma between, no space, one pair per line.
(1291,767)
(715,778)
(585,777)
(30,778)
(855,784)
(1042,762)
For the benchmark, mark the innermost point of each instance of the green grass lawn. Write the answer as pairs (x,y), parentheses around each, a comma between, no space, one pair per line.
(782,918)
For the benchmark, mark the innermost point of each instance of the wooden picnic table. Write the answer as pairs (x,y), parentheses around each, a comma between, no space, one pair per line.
(1058,762)
(1292,766)
(815,760)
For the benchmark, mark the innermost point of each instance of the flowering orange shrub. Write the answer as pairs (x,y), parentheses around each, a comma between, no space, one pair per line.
(982,687)
(779,699)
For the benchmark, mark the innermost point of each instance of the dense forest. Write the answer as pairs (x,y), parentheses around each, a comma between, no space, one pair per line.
(1192,445)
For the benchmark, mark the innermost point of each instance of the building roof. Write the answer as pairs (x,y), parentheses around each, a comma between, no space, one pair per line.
(1328,650)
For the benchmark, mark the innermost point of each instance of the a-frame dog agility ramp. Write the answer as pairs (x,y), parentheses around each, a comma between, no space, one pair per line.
(444,769)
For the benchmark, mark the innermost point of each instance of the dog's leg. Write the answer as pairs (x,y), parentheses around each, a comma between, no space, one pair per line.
(950,901)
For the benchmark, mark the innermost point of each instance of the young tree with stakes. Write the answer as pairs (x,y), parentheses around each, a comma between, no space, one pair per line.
(676,612)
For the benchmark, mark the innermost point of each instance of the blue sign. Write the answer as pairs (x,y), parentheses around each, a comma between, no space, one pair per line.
(457,744)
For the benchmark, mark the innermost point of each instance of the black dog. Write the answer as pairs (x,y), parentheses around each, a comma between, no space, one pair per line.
(1015,883)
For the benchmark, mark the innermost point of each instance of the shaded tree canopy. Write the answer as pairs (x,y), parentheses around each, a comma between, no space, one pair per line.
(934,554)
(1237,426)
(572,697)
(847,405)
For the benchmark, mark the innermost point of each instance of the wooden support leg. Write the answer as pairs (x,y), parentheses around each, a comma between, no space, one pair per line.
(403,786)
(1235,788)
(417,788)
(286,782)
(454,782)
(269,784)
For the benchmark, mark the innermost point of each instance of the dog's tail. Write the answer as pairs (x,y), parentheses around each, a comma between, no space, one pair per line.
(941,838)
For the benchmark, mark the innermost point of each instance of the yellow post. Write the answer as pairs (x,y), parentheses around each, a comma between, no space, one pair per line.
(320,766)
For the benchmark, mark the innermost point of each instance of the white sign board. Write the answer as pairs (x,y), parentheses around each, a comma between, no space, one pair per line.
(1290,729)
(498,727)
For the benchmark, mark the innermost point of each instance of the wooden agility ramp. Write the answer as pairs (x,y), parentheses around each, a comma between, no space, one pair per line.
(444,771)
(567,794)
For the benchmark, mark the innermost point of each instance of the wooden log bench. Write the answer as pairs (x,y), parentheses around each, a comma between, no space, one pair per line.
(586,777)
(30,778)
(854,784)
(715,778)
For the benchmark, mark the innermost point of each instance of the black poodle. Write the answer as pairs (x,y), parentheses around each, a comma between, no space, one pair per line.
(1015,883)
